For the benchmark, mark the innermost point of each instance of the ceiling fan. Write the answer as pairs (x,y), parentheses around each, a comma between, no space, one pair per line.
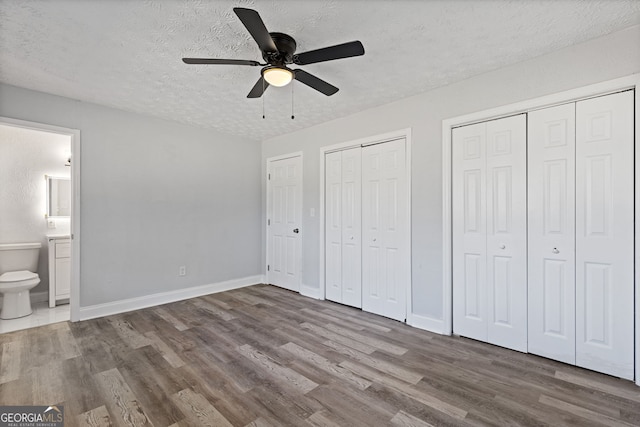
(278,51)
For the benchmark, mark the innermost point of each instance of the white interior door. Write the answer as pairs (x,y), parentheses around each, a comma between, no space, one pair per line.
(343,227)
(469,231)
(605,234)
(551,194)
(333,226)
(506,179)
(351,227)
(489,232)
(284,221)
(385,220)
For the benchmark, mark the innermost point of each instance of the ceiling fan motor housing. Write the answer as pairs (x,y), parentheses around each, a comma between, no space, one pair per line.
(286,47)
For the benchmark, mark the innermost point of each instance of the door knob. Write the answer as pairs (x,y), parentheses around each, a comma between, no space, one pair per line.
(502,246)
(351,238)
(295,230)
(555,251)
(374,239)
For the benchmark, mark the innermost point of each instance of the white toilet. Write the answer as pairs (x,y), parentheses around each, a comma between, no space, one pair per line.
(18,266)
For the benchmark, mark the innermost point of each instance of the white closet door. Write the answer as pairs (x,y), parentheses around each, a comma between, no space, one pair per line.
(605,234)
(469,231)
(489,232)
(351,228)
(385,219)
(551,194)
(285,211)
(506,178)
(333,226)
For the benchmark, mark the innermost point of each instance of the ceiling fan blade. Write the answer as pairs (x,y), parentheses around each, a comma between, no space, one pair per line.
(258,89)
(314,82)
(252,21)
(219,61)
(344,50)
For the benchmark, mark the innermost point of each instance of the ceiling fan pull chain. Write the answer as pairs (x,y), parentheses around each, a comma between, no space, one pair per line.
(292,116)
(263,89)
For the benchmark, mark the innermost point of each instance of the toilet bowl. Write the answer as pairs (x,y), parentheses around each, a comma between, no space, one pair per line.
(18,266)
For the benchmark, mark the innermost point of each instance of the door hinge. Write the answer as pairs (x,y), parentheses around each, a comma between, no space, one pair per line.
(269,177)
(268,267)
(268,222)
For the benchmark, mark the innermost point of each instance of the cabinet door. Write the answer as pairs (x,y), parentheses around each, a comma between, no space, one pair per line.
(551,195)
(506,169)
(385,219)
(63,277)
(605,234)
(469,231)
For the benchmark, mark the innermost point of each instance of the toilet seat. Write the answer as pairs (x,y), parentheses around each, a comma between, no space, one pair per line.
(17,276)
(18,280)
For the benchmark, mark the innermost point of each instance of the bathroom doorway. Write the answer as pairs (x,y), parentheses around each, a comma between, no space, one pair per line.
(40,203)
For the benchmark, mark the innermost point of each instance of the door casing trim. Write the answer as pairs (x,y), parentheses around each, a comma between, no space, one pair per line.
(74,134)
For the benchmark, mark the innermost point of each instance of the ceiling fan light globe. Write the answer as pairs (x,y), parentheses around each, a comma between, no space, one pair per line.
(277,77)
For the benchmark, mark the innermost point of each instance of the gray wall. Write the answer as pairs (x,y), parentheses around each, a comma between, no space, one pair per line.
(154,195)
(26,156)
(612,56)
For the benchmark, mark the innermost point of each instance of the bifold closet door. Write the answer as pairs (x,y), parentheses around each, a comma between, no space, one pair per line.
(605,234)
(343,227)
(551,202)
(489,232)
(581,233)
(469,231)
(333,226)
(385,217)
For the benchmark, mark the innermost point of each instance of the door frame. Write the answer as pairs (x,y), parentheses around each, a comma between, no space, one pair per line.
(268,204)
(363,142)
(74,134)
(581,93)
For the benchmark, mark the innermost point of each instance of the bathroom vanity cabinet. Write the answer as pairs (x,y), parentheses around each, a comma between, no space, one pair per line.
(59,269)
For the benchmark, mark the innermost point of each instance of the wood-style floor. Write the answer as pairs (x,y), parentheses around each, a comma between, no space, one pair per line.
(263,356)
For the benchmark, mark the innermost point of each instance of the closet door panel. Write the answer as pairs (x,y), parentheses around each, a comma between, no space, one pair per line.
(351,228)
(507,232)
(605,234)
(551,233)
(333,226)
(385,216)
(469,231)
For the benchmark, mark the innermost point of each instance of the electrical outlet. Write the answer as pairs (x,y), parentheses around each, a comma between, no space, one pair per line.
(182,271)
(51,223)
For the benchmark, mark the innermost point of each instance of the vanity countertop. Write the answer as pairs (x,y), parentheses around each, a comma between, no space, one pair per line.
(58,236)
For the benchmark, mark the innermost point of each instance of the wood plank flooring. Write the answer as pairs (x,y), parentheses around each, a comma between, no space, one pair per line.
(263,356)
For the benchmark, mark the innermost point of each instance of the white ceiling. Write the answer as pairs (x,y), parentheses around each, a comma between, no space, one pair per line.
(126,54)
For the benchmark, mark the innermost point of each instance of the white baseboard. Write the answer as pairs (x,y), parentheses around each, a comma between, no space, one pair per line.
(42,296)
(427,323)
(115,307)
(309,291)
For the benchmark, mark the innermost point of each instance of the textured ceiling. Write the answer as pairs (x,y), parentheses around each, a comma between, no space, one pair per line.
(126,54)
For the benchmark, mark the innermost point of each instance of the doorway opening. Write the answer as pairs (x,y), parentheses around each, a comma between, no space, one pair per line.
(39,205)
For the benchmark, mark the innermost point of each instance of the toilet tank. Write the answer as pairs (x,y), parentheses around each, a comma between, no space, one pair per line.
(19,256)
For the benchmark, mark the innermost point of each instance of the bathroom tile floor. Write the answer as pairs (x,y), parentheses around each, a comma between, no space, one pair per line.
(42,315)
